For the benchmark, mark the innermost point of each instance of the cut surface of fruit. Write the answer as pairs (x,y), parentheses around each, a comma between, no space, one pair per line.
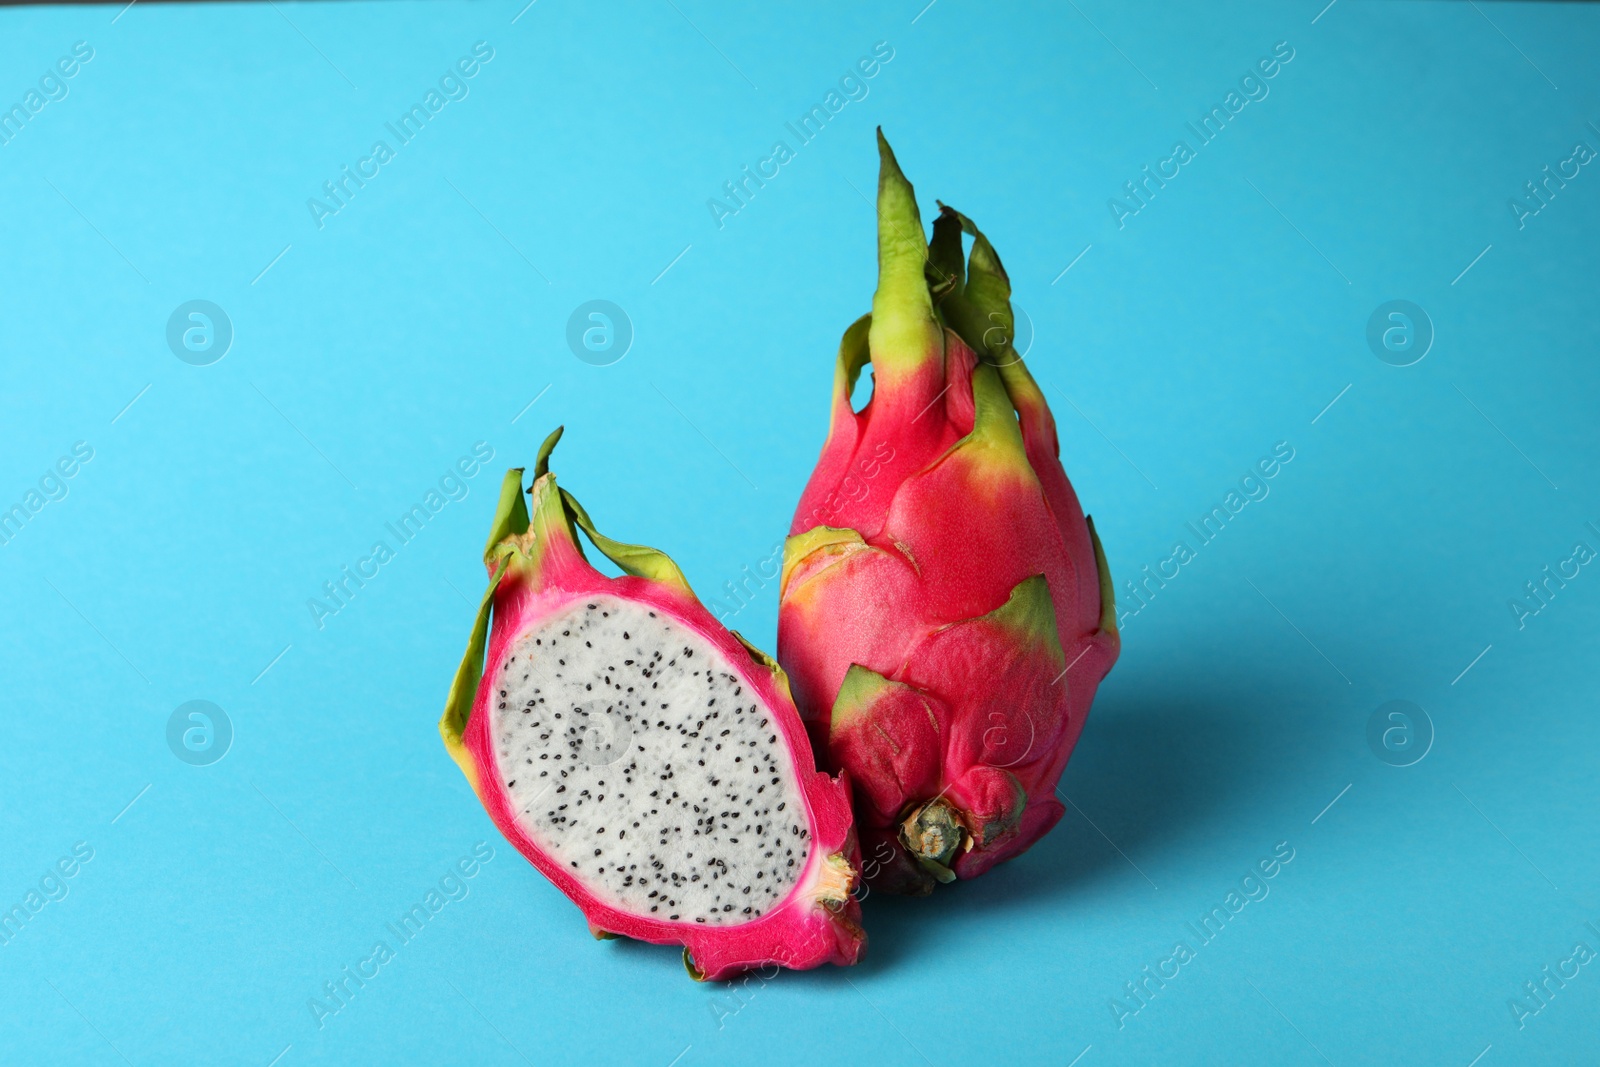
(634,755)
(645,759)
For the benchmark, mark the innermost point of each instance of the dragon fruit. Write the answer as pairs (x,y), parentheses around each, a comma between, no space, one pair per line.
(646,760)
(946,609)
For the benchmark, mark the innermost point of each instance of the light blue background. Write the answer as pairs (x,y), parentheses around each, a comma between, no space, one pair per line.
(1177,351)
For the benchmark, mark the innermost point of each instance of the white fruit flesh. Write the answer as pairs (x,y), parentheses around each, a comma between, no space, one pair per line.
(636,757)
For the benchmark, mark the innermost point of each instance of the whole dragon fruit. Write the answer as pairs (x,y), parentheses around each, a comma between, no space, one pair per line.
(646,760)
(946,609)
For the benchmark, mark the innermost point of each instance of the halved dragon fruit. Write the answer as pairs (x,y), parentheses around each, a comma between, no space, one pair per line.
(646,760)
(946,608)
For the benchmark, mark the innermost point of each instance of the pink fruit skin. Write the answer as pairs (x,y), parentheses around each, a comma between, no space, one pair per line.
(802,931)
(950,523)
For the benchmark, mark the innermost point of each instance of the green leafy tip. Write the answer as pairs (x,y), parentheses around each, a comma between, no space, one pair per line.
(904,332)
(541,465)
